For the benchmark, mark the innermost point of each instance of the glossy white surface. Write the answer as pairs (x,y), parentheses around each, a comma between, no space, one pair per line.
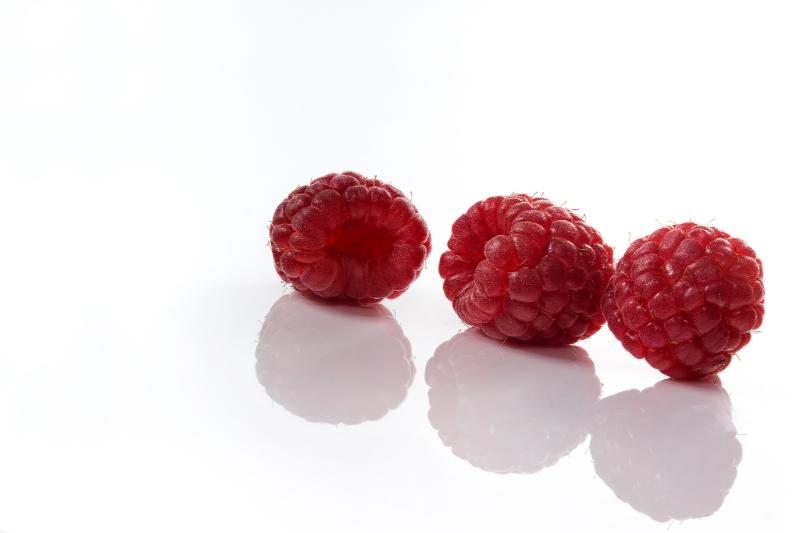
(143,148)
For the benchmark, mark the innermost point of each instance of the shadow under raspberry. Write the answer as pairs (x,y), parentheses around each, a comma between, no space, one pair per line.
(669,451)
(333,363)
(508,408)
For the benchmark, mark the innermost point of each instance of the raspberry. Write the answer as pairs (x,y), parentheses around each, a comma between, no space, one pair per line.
(504,409)
(521,268)
(348,237)
(669,451)
(685,299)
(333,363)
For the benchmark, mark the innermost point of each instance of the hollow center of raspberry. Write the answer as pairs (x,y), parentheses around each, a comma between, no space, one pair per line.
(362,241)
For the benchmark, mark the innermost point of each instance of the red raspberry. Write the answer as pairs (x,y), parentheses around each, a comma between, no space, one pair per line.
(348,237)
(685,299)
(336,364)
(521,268)
(669,451)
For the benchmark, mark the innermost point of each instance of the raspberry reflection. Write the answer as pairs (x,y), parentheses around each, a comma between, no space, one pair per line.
(508,408)
(333,363)
(669,451)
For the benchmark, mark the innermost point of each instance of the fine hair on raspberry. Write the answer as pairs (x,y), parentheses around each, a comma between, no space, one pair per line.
(348,237)
(685,298)
(519,267)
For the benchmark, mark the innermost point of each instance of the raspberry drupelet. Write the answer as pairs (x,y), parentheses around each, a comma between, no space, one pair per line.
(519,267)
(348,237)
(685,298)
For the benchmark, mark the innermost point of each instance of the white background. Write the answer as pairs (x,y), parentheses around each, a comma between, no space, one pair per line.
(144,146)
